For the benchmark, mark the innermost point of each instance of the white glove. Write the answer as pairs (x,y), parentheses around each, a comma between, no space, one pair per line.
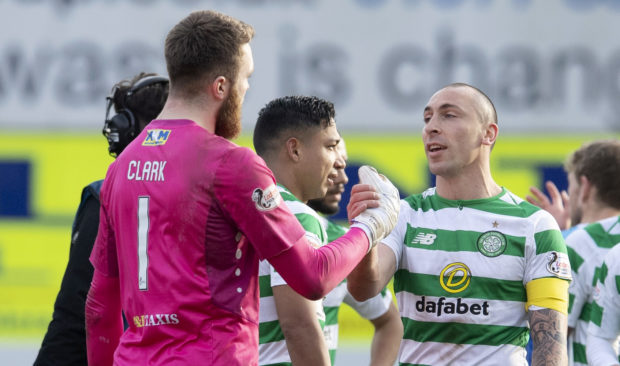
(378,222)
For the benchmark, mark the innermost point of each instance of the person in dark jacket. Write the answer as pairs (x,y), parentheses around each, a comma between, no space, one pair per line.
(136,102)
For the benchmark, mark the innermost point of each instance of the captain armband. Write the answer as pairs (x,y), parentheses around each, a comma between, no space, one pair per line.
(550,293)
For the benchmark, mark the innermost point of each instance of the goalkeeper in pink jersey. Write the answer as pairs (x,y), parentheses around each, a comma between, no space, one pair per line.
(186,215)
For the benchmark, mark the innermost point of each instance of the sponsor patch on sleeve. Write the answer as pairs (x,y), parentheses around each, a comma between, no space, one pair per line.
(156,137)
(558,265)
(314,239)
(266,199)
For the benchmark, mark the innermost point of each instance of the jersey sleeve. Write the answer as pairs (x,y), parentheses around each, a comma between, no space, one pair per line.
(276,279)
(103,256)
(605,316)
(373,307)
(334,231)
(313,233)
(246,189)
(396,237)
(578,291)
(601,351)
(546,254)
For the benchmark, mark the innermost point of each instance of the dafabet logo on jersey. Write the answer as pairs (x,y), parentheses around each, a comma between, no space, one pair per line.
(454,278)
(156,137)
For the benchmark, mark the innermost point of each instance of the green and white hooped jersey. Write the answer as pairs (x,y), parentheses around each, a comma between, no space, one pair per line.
(605,315)
(586,250)
(272,345)
(369,309)
(461,271)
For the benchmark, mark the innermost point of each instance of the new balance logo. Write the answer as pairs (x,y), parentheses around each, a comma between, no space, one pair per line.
(424,239)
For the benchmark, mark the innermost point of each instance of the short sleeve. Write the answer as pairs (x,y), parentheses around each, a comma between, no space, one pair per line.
(247,191)
(276,279)
(578,291)
(396,237)
(546,254)
(605,316)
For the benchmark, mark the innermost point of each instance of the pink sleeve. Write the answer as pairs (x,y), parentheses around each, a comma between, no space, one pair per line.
(246,190)
(315,272)
(245,187)
(104,323)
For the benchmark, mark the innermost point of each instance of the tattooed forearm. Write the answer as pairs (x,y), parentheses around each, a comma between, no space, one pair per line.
(548,332)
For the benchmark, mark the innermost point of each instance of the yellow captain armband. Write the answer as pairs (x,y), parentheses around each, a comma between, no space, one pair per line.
(550,293)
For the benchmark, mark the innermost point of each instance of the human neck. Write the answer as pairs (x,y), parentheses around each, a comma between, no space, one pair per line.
(465,187)
(598,212)
(202,115)
(285,177)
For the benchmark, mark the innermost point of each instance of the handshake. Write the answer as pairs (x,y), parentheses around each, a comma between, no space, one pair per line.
(376,222)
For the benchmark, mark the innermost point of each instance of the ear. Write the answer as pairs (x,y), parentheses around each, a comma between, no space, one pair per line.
(293,149)
(219,88)
(490,134)
(585,189)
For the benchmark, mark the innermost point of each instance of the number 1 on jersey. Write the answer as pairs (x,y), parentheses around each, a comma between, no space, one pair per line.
(143,236)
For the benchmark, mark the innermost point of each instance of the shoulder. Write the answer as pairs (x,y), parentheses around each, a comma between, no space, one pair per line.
(538,218)
(517,206)
(334,227)
(605,232)
(92,189)
(612,259)
(234,152)
(577,237)
(420,200)
(241,163)
(309,218)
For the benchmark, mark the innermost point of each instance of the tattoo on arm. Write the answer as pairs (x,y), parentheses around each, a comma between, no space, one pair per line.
(548,332)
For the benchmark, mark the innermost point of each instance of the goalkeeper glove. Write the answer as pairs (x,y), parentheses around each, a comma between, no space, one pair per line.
(378,222)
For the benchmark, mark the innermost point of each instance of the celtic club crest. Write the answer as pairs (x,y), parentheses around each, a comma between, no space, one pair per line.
(492,243)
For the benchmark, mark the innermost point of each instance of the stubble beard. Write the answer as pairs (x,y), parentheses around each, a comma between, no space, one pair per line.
(327,208)
(228,120)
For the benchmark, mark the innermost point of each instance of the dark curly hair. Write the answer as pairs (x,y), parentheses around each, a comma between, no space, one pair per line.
(291,115)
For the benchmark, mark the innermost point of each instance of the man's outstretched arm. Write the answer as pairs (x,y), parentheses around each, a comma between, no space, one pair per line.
(104,323)
(373,209)
(314,272)
(372,274)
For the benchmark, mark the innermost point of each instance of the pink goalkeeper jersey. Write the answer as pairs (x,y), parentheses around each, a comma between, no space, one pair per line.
(185,217)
